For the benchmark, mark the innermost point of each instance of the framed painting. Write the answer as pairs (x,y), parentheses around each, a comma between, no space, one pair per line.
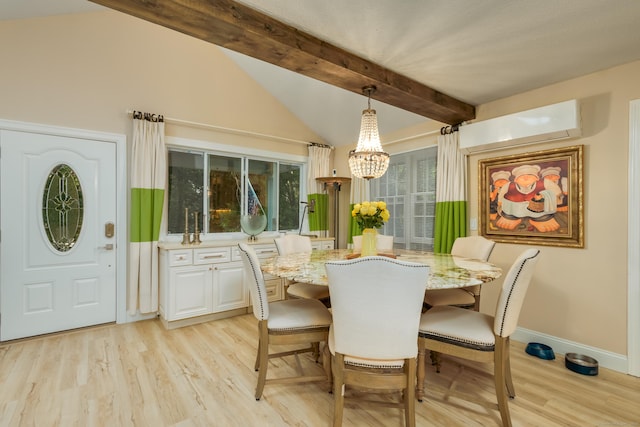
(533,198)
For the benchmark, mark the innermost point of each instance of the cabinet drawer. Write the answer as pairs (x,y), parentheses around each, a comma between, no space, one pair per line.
(235,254)
(265,251)
(211,255)
(322,244)
(262,251)
(180,257)
(274,289)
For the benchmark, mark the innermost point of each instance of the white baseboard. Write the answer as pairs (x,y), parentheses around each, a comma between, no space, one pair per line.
(606,359)
(137,317)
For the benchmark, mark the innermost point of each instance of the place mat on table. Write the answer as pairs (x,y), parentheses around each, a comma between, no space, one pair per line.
(357,255)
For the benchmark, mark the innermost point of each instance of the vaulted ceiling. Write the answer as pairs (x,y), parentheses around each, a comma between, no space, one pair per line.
(243,29)
(464,52)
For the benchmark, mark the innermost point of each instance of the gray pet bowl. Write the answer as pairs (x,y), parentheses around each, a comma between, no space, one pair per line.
(581,364)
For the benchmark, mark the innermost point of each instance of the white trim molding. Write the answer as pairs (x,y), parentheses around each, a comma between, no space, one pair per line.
(606,359)
(194,144)
(121,195)
(633,242)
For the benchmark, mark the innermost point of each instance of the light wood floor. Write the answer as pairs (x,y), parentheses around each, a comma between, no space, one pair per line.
(143,375)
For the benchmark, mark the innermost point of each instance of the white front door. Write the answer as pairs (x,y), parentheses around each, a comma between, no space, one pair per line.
(58,221)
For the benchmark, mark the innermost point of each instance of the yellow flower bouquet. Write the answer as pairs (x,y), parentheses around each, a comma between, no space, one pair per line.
(370,214)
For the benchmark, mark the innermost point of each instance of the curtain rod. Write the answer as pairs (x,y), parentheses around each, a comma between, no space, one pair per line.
(445,130)
(408,138)
(442,131)
(229,130)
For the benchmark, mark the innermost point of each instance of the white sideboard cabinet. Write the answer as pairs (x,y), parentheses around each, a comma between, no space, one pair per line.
(197,281)
(206,282)
(324,244)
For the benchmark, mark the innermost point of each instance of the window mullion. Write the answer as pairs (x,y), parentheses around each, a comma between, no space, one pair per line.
(205,196)
(244,203)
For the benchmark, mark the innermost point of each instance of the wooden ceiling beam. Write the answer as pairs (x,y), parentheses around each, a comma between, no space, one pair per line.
(237,27)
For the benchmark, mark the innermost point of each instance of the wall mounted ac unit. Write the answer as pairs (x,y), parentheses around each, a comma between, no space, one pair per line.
(556,121)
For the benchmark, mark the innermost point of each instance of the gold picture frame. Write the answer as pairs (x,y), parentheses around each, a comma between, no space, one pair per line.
(533,198)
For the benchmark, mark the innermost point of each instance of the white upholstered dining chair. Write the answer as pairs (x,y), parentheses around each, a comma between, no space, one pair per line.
(476,247)
(376,304)
(384,244)
(291,244)
(290,322)
(480,337)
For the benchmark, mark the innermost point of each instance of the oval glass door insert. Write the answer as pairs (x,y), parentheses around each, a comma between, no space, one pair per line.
(62,208)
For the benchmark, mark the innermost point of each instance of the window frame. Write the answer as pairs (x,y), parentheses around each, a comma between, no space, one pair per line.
(410,161)
(244,154)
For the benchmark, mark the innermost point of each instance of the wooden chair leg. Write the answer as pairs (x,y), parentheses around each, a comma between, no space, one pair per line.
(257,364)
(409,393)
(337,366)
(263,357)
(500,362)
(316,351)
(421,370)
(326,364)
(509,381)
(435,360)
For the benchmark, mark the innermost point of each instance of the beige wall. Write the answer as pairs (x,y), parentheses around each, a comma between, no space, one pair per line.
(578,295)
(581,294)
(85,71)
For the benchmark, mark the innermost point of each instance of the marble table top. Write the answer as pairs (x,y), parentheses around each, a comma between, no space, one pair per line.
(447,271)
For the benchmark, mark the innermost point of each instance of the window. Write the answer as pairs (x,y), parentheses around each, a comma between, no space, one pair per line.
(409,189)
(262,194)
(289,196)
(223,194)
(233,185)
(62,207)
(186,183)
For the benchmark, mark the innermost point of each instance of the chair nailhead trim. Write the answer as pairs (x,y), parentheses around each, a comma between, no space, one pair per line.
(256,281)
(374,366)
(301,329)
(515,282)
(474,345)
(381,258)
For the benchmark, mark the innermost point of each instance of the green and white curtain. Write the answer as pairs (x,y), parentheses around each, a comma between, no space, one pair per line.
(451,193)
(319,166)
(360,192)
(148,177)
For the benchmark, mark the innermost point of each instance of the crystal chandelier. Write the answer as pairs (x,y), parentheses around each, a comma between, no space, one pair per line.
(368,160)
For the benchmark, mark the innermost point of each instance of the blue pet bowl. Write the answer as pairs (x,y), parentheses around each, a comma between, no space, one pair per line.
(542,351)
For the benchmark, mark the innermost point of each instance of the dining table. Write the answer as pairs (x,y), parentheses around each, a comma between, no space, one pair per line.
(446,271)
